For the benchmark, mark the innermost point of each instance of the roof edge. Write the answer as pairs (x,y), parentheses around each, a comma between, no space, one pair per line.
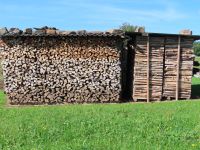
(196,37)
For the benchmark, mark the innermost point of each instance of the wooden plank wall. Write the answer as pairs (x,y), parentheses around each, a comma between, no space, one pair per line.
(186,66)
(178,67)
(148,69)
(156,67)
(140,69)
(157,74)
(170,69)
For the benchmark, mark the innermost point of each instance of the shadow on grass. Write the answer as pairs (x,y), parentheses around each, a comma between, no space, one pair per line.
(196,91)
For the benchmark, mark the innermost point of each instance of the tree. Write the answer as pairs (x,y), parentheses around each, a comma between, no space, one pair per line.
(196,47)
(127,27)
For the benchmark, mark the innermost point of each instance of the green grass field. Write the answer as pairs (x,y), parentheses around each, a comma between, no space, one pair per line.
(166,125)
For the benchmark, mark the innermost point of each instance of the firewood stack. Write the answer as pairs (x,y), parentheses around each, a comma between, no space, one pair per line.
(156,67)
(47,66)
(186,66)
(60,69)
(170,69)
(163,68)
(140,69)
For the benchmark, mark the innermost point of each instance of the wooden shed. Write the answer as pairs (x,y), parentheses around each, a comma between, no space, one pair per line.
(48,66)
(161,66)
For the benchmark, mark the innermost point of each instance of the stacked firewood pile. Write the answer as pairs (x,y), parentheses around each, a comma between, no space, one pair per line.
(186,66)
(45,69)
(170,68)
(156,67)
(52,31)
(140,69)
(163,68)
(46,66)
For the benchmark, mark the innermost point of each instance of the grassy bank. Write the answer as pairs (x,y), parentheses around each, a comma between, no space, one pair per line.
(166,125)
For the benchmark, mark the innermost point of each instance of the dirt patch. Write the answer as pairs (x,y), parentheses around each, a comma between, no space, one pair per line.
(1,85)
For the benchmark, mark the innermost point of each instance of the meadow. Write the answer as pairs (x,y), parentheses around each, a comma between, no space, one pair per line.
(165,125)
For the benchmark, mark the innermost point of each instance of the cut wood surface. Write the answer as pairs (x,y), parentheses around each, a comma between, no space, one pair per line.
(52,70)
(164,77)
(81,66)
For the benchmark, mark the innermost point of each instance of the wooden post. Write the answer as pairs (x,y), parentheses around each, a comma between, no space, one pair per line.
(163,78)
(148,67)
(178,67)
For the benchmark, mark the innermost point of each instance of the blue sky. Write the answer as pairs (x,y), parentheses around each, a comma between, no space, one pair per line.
(167,16)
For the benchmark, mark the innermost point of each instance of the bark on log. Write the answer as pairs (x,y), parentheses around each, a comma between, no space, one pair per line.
(50,70)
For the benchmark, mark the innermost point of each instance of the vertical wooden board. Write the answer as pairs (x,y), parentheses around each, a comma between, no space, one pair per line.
(148,68)
(178,67)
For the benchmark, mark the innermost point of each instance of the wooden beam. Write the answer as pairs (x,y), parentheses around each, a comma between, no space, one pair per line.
(148,67)
(178,67)
(163,78)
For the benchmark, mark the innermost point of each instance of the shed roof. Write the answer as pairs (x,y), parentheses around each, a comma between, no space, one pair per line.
(196,37)
(53,32)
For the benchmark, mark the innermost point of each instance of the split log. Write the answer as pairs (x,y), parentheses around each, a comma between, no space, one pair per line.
(50,70)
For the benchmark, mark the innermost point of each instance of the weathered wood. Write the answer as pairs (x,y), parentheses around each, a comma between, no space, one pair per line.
(148,68)
(140,69)
(163,70)
(75,67)
(178,67)
(50,70)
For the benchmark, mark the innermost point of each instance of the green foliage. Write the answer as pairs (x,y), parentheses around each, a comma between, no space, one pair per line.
(196,47)
(166,125)
(128,27)
(198,60)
